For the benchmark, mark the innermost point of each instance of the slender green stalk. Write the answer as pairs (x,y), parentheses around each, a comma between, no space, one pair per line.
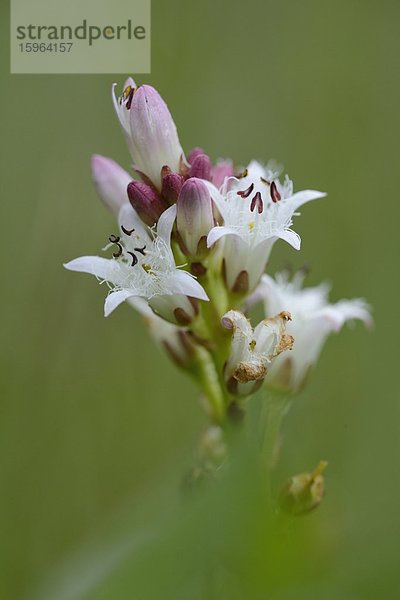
(209,380)
(274,409)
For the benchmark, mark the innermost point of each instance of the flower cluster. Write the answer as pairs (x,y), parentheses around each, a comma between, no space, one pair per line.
(191,253)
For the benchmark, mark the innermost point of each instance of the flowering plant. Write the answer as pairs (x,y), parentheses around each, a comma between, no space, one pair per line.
(193,245)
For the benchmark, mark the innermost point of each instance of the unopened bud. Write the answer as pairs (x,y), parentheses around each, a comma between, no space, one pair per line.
(175,308)
(176,341)
(146,201)
(171,186)
(110,181)
(304,492)
(194,153)
(221,171)
(201,167)
(150,131)
(194,216)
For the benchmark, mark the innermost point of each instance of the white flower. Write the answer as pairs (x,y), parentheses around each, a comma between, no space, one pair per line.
(149,130)
(251,351)
(313,319)
(143,265)
(256,210)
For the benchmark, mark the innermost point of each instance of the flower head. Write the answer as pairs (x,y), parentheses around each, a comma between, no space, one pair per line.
(313,319)
(149,130)
(256,210)
(143,265)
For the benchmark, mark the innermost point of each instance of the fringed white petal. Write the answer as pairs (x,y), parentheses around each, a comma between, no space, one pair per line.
(94,265)
(165,224)
(114,299)
(219,232)
(181,282)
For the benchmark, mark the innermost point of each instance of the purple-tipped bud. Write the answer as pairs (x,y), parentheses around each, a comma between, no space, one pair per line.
(153,135)
(223,169)
(194,216)
(201,167)
(194,153)
(171,186)
(110,181)
(146,201)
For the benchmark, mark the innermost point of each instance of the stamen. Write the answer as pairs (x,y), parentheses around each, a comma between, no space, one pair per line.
(127,96)
(134,258)
(257,202)
(265,181)
(141,250)
(115,239)
(246,193)
(242,174)
(127,231)
(275,195)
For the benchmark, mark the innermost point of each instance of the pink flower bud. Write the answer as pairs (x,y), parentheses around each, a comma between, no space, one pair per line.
(223,169)
(146,201)
(201,167)
(171,187)
(194,215)
(194,153)
(110,181)
(153,133)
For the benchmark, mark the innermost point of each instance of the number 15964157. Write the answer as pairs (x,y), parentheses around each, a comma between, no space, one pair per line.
(46,47)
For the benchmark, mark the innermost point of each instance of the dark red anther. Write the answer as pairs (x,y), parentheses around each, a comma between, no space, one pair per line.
(246,193)
(127,231)
(115,239)
(134,258)
(257,202)
(275,195)
(128,96)
(141,250)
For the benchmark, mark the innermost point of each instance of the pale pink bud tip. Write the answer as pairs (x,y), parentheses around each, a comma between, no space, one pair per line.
(201,167)
(221,171)
(110,181)
(146,201)
(194,153)
(227,323)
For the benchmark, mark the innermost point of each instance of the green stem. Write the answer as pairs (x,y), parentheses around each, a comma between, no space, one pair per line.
(210,383)
(274,409)
(212,360)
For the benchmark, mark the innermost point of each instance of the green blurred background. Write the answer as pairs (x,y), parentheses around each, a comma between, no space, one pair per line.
(96,427)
